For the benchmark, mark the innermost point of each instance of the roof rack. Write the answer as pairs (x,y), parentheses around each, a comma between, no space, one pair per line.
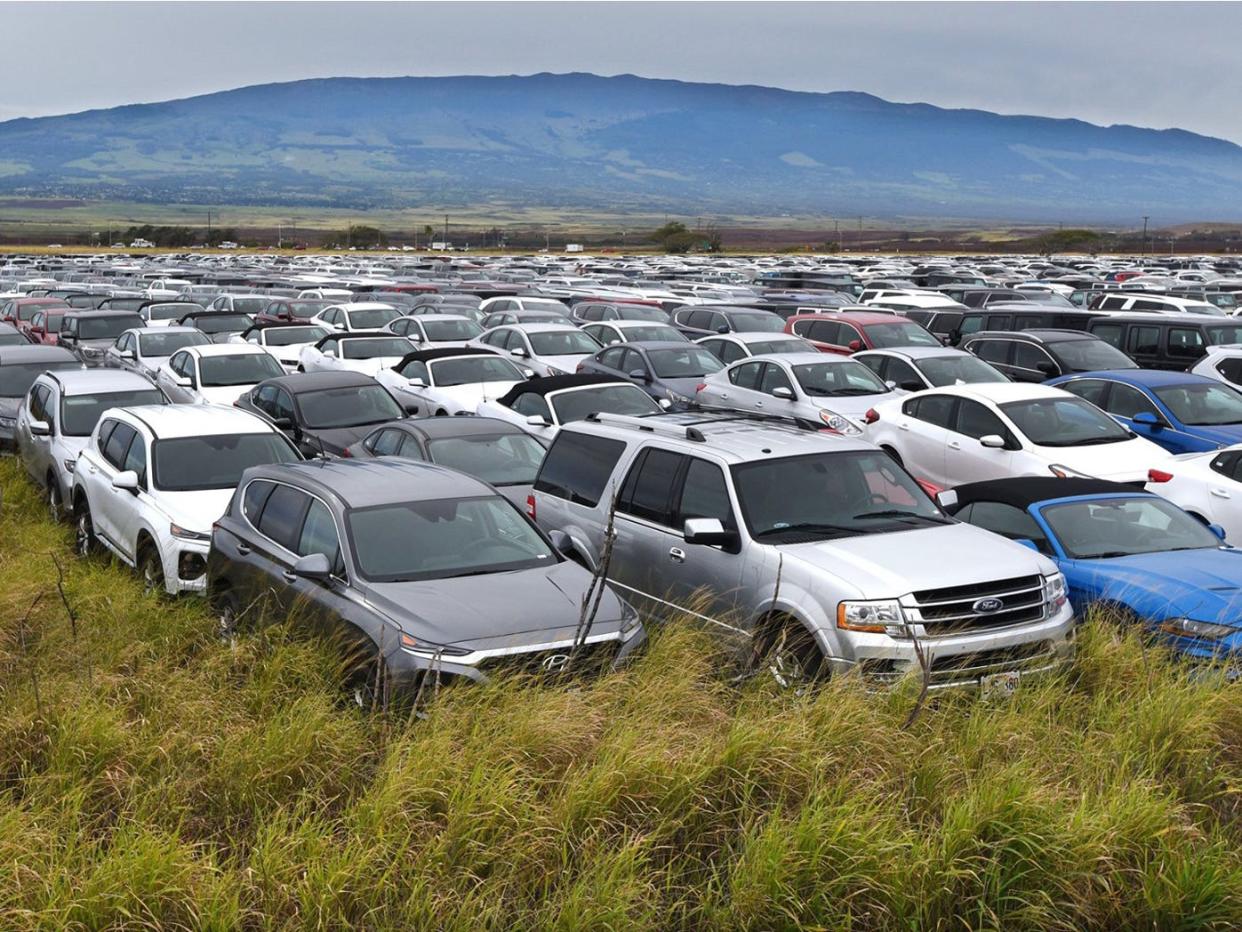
(679,426)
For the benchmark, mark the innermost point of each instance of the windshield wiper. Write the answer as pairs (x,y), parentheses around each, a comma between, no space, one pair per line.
(898,513)
(1095,441)
(808,526)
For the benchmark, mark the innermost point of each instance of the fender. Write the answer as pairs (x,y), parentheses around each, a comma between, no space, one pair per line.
(804,607)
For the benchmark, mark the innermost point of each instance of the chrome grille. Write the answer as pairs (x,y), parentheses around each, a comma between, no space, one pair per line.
(958,608)
(590,658)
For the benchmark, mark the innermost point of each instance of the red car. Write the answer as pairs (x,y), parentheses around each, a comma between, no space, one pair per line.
(848,332)
(44,326)
(19,311)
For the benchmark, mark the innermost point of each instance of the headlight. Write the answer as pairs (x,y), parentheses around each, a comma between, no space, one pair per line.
(70,465)
(552,371)
(184,534)
(677,399)
(1188,628)
(838,423)
(629,618)
(1064,472)
(1055,591)
(9,422)
(876,617)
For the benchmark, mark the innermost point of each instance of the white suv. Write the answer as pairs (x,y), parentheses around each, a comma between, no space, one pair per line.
(152,480)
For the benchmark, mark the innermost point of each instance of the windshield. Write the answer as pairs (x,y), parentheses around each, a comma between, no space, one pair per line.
(289,336)
(1224,333)
(221,323)
(950,370)
(306,309)
(832,379)
(899,333)
(374,319)
(1203,405)
(467,369)
(1122,527)
(170,311)
(437,330)
(504,459)
(250,305)
(155,343)
(575,404)
(656,333)
(196,464)
(80,413)
(375,347)
(1090,355)
(351,406)
(770,347)
(444,538)
(796,499)
(15,380)
(1063,422)
(241,369)
(641,312)
(562,343)
(106,327)
(688,363)
(757,323)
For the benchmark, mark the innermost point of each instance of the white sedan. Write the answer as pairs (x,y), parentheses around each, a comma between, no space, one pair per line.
(548,349)
(284,341)
(427,331)
(992,430)
(450,381)
(348,318)
(365,353)
(218,373)
(1208,485)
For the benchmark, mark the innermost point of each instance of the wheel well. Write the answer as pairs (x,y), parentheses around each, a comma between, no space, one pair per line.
(1198,517)
(51,480)
(893,453)
(145,542)
(774,621)
(440,412)
(79,501)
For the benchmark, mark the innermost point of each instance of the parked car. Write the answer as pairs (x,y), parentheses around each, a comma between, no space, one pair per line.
(807,549)
(366,352)
(519,304)
(501,454)
(1223,363)
(914,368)
(145,349)
(1208,485)
(1147,302)
(1166,341)
(850,331)
(215,374)
(219,326)
(542,406)
(585,312)
(249,304)
(1181,412)
(292,310)
(1130,553)
(671,371)
(285,341)
(1039,355)
(44,326)
(20,310)
(59,415)
(450,380)
(88,334)
(809,387)
(11,336)
(433,330)
(734,346)
(546,349)
(152,480)
(365,316)
(323,413)
(166,313)
(704,321)
(631,331)
(968,433)
(415,568)
(19,367)
(501,318)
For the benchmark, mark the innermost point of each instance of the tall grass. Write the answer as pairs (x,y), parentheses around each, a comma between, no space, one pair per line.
(154,776)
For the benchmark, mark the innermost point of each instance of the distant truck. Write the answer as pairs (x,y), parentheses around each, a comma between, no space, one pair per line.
(573,247)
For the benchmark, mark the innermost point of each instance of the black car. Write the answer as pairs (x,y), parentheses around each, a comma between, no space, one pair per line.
(703,321)
(1038,355)
(1166,341)
(1020,316)
(323,412)
(414,569)
(665,370)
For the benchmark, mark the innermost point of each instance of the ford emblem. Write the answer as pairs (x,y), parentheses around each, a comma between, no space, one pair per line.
(987,606)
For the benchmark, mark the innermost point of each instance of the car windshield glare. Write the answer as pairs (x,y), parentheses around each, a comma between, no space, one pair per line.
(375,348)
(373,319)
(952,370)
(821,495)
(307,309)
(562,343)
(656,333)
(106,327)
(501,459)
(899,333)
(1063,422)
(1123,527)
(828,379)
(444,538)
(1203,404)
(80,413)
(350,406)
(198,464)
(441,330)
(688,363)
(446,373)
(641,312)
(15,380)
(240,369)
(1088,355)
(770,347)
(165,344)
(575,404)
(291,336)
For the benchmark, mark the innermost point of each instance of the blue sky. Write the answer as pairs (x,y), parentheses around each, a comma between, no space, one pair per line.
(1150,64)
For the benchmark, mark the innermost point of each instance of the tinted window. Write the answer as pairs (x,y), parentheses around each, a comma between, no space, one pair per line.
(1231,369)
(746,375)
(704,494)
(1144,340)
(80,413)
(349,406)
(1007,521)
(995,351)
(1200,405)
(975,420)
(1063,422)
(255,498)
(1090,389)
(501,459)
(934,409)
(192,464)
(1185,343)
(577,467)
(1126,401)
(282,516)
(1029,356)
(136,459)
(118,445)
(648,489)
(319,535)
(1109,333)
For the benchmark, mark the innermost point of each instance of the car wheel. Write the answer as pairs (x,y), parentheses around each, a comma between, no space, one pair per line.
(791,657)
(87,544)
(55,508)
(368,685)
(228,613)
(151,569)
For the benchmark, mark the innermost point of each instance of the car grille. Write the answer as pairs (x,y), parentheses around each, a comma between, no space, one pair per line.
(994,604)
(590,658)
(968,667)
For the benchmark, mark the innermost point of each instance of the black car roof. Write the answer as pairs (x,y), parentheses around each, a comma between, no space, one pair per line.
(34,353)
(555,383)
(1026,491)
(442,352)
(299,382)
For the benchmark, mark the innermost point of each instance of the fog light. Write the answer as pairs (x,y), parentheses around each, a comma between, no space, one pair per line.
(191,565)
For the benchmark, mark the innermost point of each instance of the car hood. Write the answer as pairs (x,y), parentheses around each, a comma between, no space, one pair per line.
(336,439)
(1202,584)
(1127,461)
(223,394)
(195,511)
(889,565)
(498,610)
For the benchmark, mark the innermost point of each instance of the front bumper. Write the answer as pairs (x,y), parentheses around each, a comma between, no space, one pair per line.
(185,565)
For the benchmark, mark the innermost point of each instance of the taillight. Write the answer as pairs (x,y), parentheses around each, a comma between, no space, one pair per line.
(345,454)
(698,388)
(930,488)
(530,506)
(581,368)
(871,416)
(1158,475)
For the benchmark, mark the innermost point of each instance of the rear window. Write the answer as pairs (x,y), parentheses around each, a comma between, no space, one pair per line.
(578,467)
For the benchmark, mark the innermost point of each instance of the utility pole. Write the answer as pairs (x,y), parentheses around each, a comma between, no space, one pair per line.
(446,231)
(836,226)
(209,227)
(1144,233)
(280,235)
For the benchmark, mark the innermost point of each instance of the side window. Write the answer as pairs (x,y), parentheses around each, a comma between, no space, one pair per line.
(1112,303)
(975,420)
(705,495)
(879,364)
(1029,356)
(416,369)
(387,443)
(578,467)
(1109,333)
(1008,521)
(612,358)
(971,323)
(825,331)
(254,498)
(934,409)
(36,407)
(319,536)
(774,377)
(409,448)
(1143,340)
(717,321)
(746,375)
(648,489)
(264,399)
(118,445)
(1127,401)
(729,351)
(136,458)
(904,375)
(1185,343)
(282,514)
(994,351)
(282,405)
(533,405)
(633,362)
(105,432)
(1231,369)
(1092,390)
(850,334)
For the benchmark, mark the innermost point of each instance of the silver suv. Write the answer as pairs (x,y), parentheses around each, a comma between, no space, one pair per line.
(816,552)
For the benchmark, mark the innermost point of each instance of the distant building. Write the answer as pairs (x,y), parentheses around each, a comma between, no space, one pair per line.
(573,247)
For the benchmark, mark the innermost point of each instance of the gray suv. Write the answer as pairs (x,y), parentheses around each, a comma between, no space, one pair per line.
(816,552)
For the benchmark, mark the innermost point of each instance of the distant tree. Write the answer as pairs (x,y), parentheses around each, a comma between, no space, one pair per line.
(358,235)
(429,231)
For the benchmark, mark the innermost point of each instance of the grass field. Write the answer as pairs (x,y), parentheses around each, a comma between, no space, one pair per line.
(154,776)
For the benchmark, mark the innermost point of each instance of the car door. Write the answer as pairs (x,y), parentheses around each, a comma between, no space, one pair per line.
(106,501)
(277,514)
(923,435)
(904,375)
(641,561)
(741,390)
(965,458)
(1033,363)
(997,352)
(1126,401)
(1143,346)
(32,449)
(610,361)
(130,507)
(772,378)
(320,605)
(1223,487)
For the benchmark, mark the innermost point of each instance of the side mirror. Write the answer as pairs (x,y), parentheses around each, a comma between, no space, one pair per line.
(722,329)
(1026,542)
(414,337)
(784,392)
(184,381)
(418,382)
(1217,530)
(39,429)
(892,386)
(312,566)
(1147,419)
(518,352)
(330,353)
(1047,368)
(128,354)
(946,498)
(854,346)
(410,408)
(992,441)
(126,481)
(537,420)
(911,386)
(706,531)
(640,375)
(282,423)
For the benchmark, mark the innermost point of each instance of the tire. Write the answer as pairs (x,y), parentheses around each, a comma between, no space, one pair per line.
(55,504)
(151,570)
(87,544)
(441,413)
(368,687)
(789,654)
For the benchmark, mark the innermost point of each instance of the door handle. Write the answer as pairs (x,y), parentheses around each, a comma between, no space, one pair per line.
(1220,493)
(243,549)
(954,445)
(289,575)
(903,426)
(677,555)
(758,404)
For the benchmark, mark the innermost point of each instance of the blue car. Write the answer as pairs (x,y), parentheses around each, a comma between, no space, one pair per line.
(1181,412)
(1132,551)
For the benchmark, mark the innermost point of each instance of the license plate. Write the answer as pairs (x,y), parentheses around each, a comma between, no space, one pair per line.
(1000,685)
